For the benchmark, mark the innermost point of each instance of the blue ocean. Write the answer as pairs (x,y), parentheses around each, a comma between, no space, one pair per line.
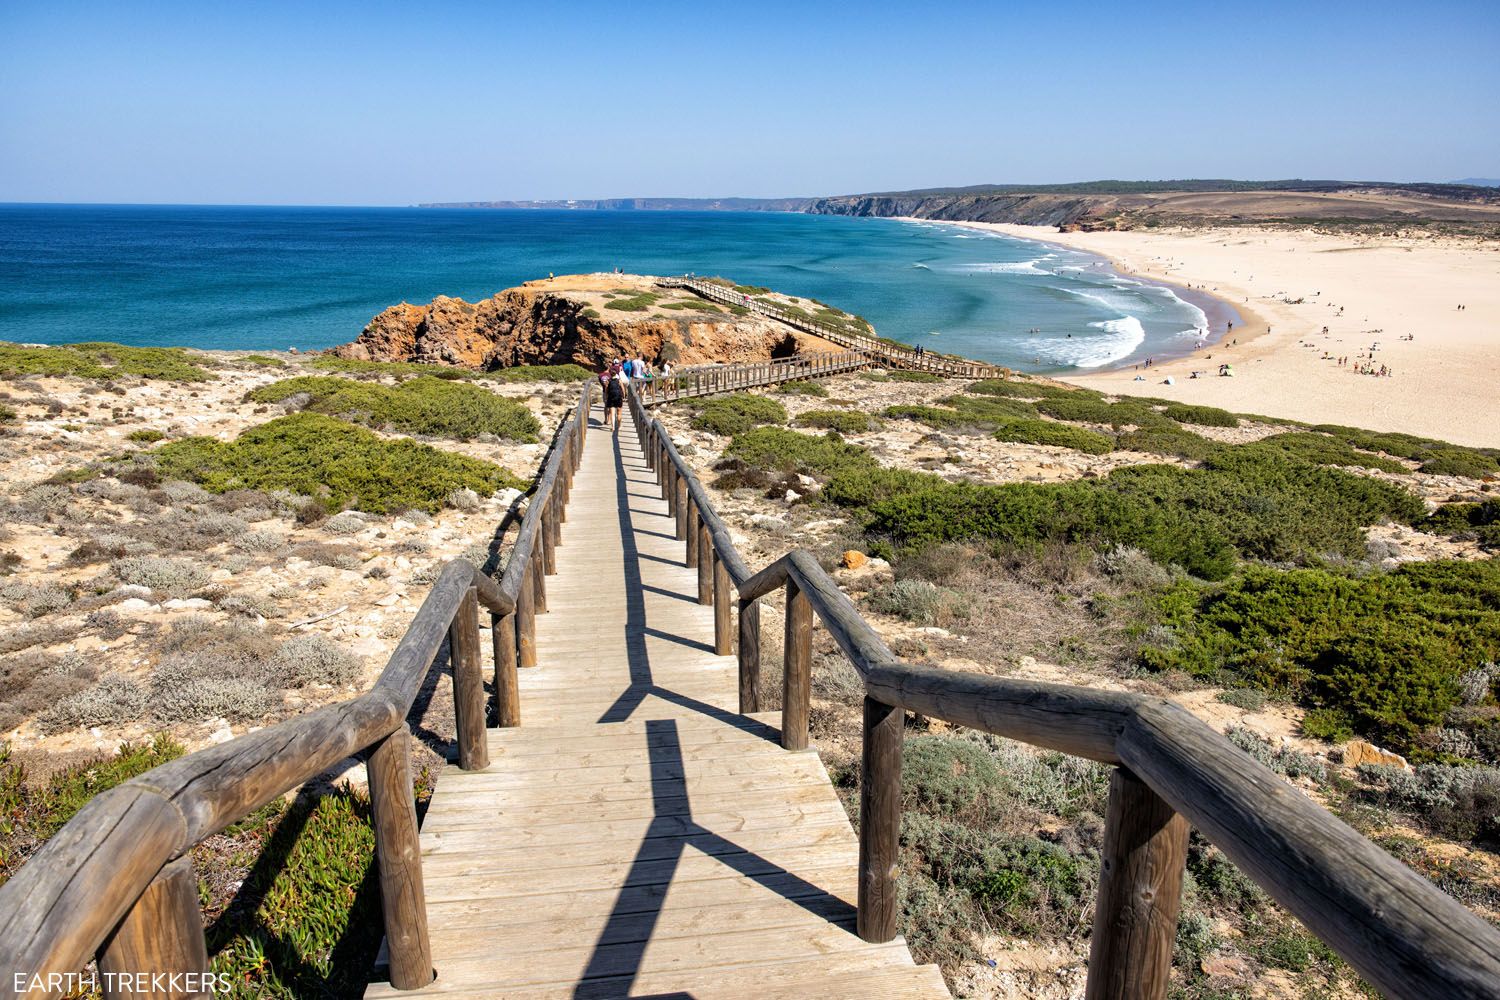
(272,278)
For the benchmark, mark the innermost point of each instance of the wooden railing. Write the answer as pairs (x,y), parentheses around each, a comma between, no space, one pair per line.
(705,380)
(1400,932)
(880,350)
(116,882)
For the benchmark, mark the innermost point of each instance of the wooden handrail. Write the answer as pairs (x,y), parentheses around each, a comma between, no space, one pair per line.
(1398,930)
(878,349)
(111,867)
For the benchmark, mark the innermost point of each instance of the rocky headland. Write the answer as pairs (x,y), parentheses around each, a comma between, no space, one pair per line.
(586,319)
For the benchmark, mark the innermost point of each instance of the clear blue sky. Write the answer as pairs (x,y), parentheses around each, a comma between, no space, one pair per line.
(394,103)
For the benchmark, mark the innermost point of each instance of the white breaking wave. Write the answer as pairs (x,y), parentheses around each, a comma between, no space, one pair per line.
(1008,267)
(922,266)
(1118,339)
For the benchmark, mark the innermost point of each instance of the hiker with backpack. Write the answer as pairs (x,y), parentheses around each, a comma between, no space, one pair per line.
(614,398)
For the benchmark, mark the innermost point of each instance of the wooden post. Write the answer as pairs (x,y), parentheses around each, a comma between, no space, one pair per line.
(1140,890)
(683,509)
(692,535)
(526,622)
(669,490)
(507,685)
(664,471)
(163,932)
(403,899)
(705,563)
(749,657)
(723,594)
(468,683)
(549,546)
(538,580)
(879,821)
(796,692)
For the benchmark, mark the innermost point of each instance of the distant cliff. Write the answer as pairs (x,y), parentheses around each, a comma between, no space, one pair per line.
(643,204)
(1063,211)
(1125,205)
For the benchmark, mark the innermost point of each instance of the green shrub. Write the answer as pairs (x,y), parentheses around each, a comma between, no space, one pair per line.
(736,413)
(639,302)
(802,387)
(420,405)
(843,421)
(906,376)
(1248,699)
(1096,410)
(1464,462)
(932,416)
(1019,389)
(263,361)
(7,414)
(540,373)
(1322,449)
(1381,655)
(312,926)
(102,361)
(1208,416)
(786,450)
(1056,434)
(1168,440)
(145,436)
(395,369)
(1479,521)
(1436,457)
(948,776)
(1330,724)
(337,464)
(31,812)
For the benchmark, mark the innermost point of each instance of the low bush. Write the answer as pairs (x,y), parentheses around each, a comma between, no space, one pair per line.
(1207,416)
(31,812)
(177,577)
(1379,655)
(1322,449)
(1436,457)
(802,388)
(1477,521)
(145,436)
(306,660)
(1056,434)
(1458,802)
(932,416)
(1248,699)
(335,463)
(843,421)
(103,361)
(897,375)
(1281,759)
(420,405)
(736,413)
(115,700)
(1168,439)
(921,602)
(1019,389)
(540,373)
(263,361)
(639,302)
(1097,410)
(307,922)
(775,448)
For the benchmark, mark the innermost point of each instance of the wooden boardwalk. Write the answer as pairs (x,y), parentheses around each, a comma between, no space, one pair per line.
(636,836)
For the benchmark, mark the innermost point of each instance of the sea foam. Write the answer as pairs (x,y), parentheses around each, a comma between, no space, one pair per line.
(1117,339)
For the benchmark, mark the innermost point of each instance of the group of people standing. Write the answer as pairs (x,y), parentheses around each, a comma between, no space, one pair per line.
(615,380)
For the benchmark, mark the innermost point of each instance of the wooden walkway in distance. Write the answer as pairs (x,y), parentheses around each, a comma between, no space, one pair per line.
(636,836)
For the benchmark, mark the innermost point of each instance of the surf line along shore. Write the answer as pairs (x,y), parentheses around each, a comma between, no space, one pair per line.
(1288,286)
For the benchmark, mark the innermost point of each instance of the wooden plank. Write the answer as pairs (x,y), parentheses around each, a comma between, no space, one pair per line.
(162,933)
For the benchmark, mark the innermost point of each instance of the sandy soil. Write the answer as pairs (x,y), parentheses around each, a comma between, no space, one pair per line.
(1366,290)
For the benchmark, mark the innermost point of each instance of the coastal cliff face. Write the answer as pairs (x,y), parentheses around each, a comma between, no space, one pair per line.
(580,319)
(1063,211)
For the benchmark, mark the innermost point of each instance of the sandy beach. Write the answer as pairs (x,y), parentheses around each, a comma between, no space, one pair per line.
(1288,287)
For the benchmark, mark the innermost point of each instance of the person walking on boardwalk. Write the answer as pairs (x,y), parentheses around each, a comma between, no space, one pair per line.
(614,399)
